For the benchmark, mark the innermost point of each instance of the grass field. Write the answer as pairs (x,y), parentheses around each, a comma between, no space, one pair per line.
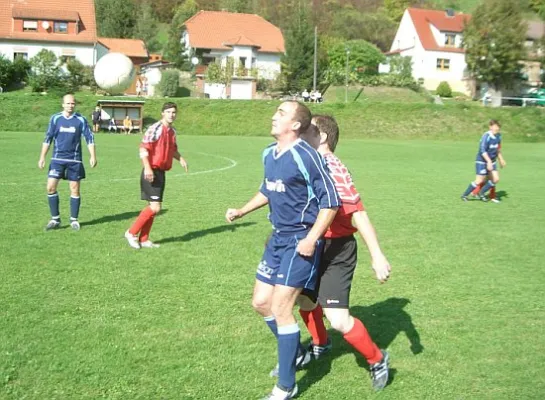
(84,316)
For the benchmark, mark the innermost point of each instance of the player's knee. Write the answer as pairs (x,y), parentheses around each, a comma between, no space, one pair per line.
(495,180)
(155,207)
(51,189)
(262,306)
(341,322)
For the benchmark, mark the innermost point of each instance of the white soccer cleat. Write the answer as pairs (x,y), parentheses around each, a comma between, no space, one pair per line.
(280,394)
(148,244)
(75,225)
(53,224)
(133,240)
(497,201)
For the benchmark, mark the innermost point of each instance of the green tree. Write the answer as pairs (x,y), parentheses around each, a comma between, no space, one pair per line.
(146,26)
(46,73)
(363,60)
(174,50)
(239,6)
(116,18)
(6,71)
(395,8)
(537,6)
(299,43)
(494,41)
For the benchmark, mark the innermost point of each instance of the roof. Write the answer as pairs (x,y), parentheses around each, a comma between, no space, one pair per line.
(222,30)
(397,51)
(422,20)
(80,10)
(536,30)
(129,47)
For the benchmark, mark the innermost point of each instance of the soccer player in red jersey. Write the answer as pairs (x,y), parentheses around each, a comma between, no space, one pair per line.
(157,150)
(338,263)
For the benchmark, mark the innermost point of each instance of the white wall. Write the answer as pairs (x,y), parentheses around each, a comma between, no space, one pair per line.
(406,36)
(268,65)
(215,90)
(241,90)
(84,53)
(425,67)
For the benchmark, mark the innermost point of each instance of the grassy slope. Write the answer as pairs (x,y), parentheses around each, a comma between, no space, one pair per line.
(85,317)
(372,116)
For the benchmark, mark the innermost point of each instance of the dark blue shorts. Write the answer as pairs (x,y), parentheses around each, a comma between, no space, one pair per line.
(282,265)
(480,167)
(69,170)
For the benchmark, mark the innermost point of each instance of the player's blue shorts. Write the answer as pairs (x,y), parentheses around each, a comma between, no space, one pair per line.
(282,265)
(480,167)
(69,170)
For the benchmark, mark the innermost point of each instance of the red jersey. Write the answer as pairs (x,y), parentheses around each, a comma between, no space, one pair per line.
(160,142)
(350,199)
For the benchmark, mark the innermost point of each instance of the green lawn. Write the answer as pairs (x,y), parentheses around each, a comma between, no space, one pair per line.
(84,316)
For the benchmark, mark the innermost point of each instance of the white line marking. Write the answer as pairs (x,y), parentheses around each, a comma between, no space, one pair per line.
(232,164)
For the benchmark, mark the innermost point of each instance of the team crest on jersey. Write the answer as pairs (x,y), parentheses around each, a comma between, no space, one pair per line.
(275,186)
(67,129)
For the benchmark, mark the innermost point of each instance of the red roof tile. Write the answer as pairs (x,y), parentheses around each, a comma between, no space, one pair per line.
(49,10)
(422,20)
(129,47)
(213,29)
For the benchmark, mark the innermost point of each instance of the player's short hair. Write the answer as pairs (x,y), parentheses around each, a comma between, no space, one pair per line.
(494,122)
(302,115)
(327,124)
(311,136)
(168,105)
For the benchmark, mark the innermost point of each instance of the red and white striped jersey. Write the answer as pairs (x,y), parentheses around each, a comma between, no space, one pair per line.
(160,142)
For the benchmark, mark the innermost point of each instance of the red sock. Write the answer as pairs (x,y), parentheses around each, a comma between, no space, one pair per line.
(144,216)
(314,320)
(492,194)
(144,233)
(359,338)
(477,189)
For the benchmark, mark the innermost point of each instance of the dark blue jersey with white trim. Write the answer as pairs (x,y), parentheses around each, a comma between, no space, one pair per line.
(65,134)
(489,144)
(297,185)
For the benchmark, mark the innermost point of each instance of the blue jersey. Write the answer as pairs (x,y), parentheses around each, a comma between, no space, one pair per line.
(66,133)
(297,185)
(489,144)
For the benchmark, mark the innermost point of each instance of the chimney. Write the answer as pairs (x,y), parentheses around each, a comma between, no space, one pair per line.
(450,12)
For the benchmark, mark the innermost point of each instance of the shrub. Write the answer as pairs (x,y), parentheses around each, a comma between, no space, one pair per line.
(76,75)
(46,72)
(170,80)
(444,90)
(21,70)
(6,71)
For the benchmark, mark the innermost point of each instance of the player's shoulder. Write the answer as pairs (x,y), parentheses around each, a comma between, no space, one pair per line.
(55,117)
(306,151)
(268,150)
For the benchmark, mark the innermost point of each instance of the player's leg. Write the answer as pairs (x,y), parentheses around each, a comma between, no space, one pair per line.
(494,179)
(156,197)
(313,316)
(150,194)
(480,178)
(75,203)
(264,283)
(53,201)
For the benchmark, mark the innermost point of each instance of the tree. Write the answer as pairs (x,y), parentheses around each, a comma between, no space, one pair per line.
(299,43)
(46,73)
(6,71)
(494,41)
(174,50)
(395,8)
(363,60)
(146,26)
(116,18)
(239,6)
(538,6)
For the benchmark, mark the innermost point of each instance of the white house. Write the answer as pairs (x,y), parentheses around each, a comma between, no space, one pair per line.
(251,41)
(433,39)
(27,27)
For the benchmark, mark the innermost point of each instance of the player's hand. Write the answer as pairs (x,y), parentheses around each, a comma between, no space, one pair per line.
(382,268)
(489,166)
(41,163)
(93,162)
(232,214)
(148,174)
(306,247)
(503,163)
(183,163)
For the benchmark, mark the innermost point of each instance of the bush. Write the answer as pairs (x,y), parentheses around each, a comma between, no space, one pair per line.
(170,80)
(76,75)
(6,71)
(444,90)
(21,70)
(46,73)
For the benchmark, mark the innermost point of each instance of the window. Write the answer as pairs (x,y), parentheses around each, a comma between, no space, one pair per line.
(30,26)
(18,55)
(65,59)
(443,64)
(60,27)
(450,39)
(242,61)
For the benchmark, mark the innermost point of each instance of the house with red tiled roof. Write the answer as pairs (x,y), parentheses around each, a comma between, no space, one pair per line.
(252,42)
(67,29)
(433,39)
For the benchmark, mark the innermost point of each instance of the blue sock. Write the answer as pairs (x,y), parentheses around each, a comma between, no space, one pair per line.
(271,323)
(53,200)
(74,207)
(489,185)
(469,189)
(288,345)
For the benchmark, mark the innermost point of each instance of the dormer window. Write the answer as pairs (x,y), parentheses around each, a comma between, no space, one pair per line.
(60,27)
(30,26)
(450,39)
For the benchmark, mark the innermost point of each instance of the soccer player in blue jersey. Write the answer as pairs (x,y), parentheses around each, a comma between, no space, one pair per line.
(65,131)
(303,201)
(486,163)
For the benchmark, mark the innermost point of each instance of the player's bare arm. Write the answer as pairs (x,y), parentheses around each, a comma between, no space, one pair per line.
(489,164)
(179,157)
(380,264)
(503,163)
(43,153)
(148,171)
(307,246)
(258,201)
(93,155)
